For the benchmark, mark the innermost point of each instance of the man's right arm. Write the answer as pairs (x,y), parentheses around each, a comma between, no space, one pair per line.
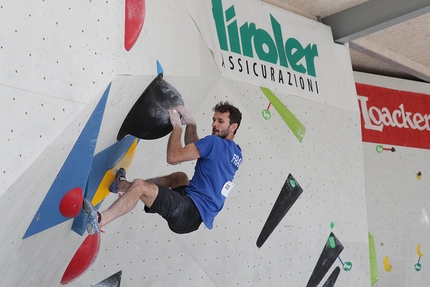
(176,153)
(191,129)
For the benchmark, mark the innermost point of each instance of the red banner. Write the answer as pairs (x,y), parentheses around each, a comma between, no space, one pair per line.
(394,117)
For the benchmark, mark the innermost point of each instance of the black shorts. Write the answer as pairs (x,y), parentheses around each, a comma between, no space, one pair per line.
(177,208)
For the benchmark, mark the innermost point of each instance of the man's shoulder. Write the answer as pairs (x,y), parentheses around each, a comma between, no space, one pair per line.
(214,140)
(217,139)
(208,138)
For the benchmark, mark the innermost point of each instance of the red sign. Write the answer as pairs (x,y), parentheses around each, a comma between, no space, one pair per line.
(394,117)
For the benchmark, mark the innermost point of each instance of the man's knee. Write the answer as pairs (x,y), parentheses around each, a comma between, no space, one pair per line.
(147,191)
(178,178)
(143,187)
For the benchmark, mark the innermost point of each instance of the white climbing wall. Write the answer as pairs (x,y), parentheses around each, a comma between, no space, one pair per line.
(56,57)
(57,60)
(398,202)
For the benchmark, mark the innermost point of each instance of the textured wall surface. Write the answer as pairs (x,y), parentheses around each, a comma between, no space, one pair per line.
(57,60)
(397,197)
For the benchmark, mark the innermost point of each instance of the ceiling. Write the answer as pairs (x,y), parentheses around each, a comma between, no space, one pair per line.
(393,41)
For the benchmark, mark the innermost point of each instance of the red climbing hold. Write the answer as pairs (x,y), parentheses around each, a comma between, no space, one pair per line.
(83,258)
(134,18)
(71,203)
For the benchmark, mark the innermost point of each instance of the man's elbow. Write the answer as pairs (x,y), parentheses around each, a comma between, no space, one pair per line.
(172,160)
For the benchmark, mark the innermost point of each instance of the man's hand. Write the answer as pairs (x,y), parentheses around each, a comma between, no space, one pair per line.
(187,118)
(174,117)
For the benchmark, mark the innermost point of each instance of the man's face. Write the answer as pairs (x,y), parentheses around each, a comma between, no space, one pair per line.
(221,124)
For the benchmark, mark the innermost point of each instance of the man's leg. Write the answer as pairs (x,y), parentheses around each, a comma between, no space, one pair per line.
(146,191)
(133,191)
(172,180)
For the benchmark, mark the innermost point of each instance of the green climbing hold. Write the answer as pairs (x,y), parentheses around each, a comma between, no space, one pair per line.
(292,183)
(289,118)
(331,242)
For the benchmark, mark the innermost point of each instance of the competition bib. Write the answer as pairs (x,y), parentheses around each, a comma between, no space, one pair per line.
(228,186)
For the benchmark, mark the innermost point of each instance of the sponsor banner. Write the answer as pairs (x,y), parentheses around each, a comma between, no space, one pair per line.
(394,117)
(266,46)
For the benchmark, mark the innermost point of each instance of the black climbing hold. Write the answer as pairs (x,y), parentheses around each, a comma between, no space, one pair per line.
(112,281)
(332,278)
(148,118)
(325,261)
(290,192)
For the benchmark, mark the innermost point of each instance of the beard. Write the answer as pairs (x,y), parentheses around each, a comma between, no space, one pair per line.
(223,133)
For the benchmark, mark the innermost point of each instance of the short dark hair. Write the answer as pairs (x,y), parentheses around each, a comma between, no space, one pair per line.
(235,114)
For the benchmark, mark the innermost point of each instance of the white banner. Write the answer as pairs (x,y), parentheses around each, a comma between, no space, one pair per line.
(258,43)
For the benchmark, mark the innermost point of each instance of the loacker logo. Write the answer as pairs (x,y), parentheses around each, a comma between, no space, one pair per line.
(375,118)
(394,117)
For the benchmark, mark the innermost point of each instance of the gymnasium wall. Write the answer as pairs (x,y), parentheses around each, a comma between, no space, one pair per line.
(296,91)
